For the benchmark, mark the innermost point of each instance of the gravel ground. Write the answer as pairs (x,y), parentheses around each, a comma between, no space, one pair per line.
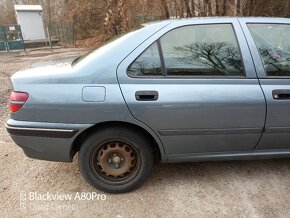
(214,189)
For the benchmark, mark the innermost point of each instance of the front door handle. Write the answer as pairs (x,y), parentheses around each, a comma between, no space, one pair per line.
(147,95)
(281,94)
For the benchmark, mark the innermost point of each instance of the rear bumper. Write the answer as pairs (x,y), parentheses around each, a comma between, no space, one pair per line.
(41,132)
(45,141)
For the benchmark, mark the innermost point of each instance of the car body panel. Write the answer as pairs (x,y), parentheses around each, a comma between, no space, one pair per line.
(206,119)
(56,97)
(277,126)
(233,110)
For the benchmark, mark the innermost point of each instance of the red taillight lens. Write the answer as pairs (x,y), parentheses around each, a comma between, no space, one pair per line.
(17,100)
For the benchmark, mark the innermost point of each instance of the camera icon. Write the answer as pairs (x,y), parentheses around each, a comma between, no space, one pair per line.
(22,200)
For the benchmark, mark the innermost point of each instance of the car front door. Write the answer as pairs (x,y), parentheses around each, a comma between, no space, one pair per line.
(270,46)
(196,87)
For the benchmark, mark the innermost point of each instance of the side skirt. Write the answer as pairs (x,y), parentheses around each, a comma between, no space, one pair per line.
(222,156)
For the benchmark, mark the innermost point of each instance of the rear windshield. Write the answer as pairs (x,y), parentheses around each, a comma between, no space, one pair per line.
(104,45)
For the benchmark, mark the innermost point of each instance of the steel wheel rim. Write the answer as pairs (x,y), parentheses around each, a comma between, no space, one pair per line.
(115,162)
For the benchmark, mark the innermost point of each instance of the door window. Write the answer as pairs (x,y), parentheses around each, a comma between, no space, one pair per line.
(202,50)
(272,41)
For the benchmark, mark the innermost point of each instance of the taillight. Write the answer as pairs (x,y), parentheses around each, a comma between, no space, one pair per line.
(17,100)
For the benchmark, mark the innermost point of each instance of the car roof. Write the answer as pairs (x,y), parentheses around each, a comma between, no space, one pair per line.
(220,19)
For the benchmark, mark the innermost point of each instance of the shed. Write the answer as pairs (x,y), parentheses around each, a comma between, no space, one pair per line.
(29,17)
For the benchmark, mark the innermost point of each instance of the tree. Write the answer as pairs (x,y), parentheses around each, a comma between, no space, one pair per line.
(112,17)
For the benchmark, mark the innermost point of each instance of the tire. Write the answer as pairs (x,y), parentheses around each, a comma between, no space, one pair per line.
(116,160)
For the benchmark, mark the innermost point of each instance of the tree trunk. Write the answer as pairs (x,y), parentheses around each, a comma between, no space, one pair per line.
(205,7)
(210,8)
(201,9)
(224,8)
(181,11)
(188,12)
(239,12)
(48,12)
(217,8)
(250,7)
(193,8)
(165,9)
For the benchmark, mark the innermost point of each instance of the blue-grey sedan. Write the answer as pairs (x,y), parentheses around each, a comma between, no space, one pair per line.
(176,90)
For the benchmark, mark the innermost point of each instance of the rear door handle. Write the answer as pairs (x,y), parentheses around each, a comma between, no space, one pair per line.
(147,95)
(281,94)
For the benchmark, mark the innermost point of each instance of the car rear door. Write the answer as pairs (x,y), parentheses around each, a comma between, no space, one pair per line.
(196,87)
(269,41)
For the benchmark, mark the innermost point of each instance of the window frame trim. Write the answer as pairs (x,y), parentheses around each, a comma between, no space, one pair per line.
(160,51)
(244,76)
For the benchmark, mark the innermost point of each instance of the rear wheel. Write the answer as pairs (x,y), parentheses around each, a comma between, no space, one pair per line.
(116,160)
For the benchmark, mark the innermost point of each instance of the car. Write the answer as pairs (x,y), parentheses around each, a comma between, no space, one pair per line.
(181,90)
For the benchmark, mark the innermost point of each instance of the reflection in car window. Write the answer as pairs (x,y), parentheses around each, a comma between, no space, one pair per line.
(147,64)
(272,41)
(202,50)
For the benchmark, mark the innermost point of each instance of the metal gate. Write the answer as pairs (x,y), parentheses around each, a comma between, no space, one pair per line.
(11,38)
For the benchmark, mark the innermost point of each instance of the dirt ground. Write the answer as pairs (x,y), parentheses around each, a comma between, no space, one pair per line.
(213,189)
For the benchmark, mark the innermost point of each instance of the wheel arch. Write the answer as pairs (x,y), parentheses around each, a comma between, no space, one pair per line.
(156,143)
